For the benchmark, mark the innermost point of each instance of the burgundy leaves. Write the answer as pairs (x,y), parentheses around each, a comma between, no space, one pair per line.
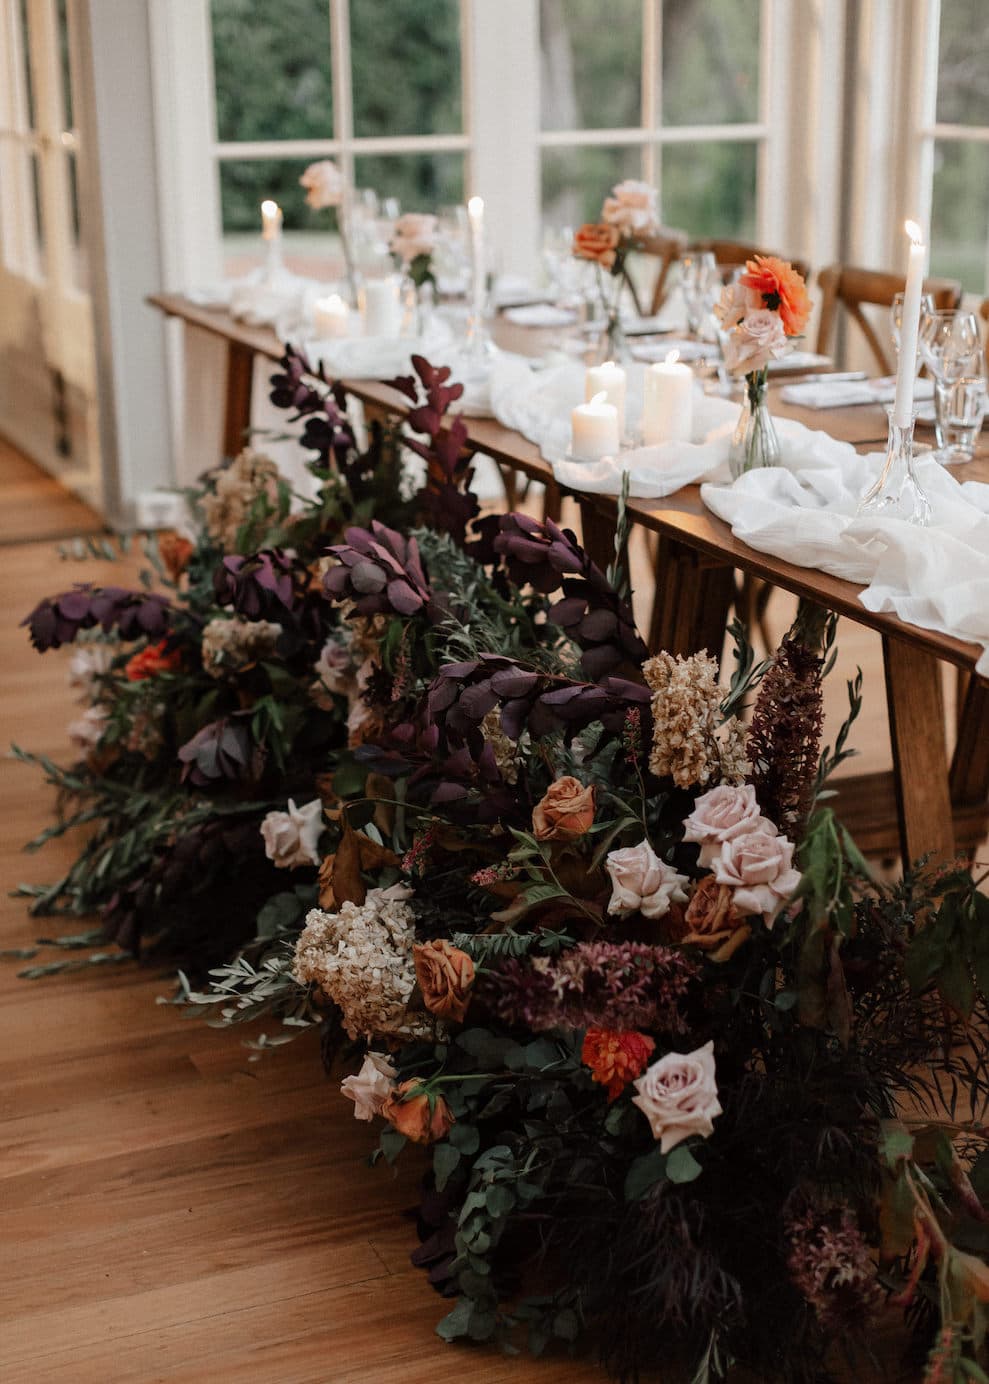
(59,619)
(220,751)
(445,502)
(591,612)
(380,572)
(267,585)
(327,430)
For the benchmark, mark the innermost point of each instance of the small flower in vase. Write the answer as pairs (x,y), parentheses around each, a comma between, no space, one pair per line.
(412,244)
(325,188)
(760,315)
(628,217)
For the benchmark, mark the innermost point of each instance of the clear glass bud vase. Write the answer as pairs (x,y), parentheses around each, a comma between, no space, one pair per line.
(754,442)
(613,344)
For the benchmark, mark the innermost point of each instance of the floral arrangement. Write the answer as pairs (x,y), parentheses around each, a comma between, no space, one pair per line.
(413,241)
(628,217)
(326,188)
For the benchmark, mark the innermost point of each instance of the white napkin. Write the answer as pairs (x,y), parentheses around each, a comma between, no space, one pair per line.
(212,295)
(379,357)
(540,315)
(843,393)
(687,350)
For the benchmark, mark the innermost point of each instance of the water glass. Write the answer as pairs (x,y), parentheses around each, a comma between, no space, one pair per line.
(927,309)
(959,408)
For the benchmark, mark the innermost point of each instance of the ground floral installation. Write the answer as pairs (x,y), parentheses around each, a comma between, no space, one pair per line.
(694,1090)
(217,693)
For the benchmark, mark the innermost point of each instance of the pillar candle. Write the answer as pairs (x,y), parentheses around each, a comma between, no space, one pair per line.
(668,401)
(594,430)
(330,316)
(381,307)
(906,371)
(608,379)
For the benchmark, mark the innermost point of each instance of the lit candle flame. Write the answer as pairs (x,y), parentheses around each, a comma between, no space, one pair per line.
(672,357)
(913,231)
(269,208)
(475,208)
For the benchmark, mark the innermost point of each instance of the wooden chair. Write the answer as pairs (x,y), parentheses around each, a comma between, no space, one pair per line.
(735,252)
(666,246)
(856,288)
(984,314)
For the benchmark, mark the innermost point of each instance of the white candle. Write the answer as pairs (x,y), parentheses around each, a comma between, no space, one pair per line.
(608,379)
(906,371)
(330,316)
(271,220)
(594,430)
(475,217)
(381,307)
(668,401)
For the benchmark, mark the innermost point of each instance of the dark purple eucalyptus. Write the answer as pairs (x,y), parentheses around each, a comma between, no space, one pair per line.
(267,585)
(133,614)
(380,572)
(222,750)
(445,502)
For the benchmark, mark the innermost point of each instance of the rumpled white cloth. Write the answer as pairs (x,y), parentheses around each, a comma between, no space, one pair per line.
(843,393)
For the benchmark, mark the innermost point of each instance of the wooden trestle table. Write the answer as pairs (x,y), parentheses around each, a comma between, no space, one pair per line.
(929,804)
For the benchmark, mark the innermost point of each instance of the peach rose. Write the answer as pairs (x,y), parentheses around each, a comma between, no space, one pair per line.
(759,868)
(781,289)
(758,339)
(446,978)
(414,234)
(291,838)
(631,207)
(720,814)
(323,182)
(421,1116)
(713,922)
(641,882)
(566,810)
(371,1087)
(736,300)
(597,242)
(175,552)
(679,1096)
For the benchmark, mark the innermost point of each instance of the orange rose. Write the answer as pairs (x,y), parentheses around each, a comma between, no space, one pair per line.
(149,662)
(421,1117)
(598,243)
(713,922)
(446,977)
(566,810)
(175,552)
(615,1058)
(783,290)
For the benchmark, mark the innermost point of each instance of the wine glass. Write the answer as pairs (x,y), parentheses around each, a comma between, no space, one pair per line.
(896,316)
(698,275)
(951,348)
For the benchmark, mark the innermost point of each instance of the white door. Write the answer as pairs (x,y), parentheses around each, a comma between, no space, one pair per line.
(47,357)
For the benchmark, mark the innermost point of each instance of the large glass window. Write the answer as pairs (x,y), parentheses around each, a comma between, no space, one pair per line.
(378,86)
(665,90)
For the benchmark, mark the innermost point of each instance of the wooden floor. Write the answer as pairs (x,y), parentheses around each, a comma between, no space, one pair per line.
(171,1211)
(34,505)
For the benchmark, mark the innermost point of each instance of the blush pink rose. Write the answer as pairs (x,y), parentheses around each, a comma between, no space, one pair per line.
(414,234)
(759,868)
(631,207)
(323,182)
(720,814)
(371,1087)
(736,300)
(291,838)
(641,882)
(758,339)
(679,1096)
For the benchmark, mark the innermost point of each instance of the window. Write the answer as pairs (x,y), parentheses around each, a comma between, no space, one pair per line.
(956,144)
(665,90)
(378,86)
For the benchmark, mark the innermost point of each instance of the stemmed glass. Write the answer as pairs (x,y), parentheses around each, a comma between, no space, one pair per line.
(951,348)
(698,277)
(896,316)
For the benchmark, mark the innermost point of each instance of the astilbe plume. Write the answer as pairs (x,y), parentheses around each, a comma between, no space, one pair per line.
(784,739)
(57,620)
(830,1263)
(446,503)
(463,694)
(613,985)
(591,613)
(380,573)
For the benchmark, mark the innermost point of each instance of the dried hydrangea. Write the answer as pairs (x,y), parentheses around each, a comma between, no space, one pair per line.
(506,752)
(230,645)
(689,742)
(361,959)
(235,489)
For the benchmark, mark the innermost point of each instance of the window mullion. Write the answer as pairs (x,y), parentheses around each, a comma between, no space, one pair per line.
(343,96)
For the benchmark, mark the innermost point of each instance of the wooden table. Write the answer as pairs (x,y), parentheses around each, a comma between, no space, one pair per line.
(937,803)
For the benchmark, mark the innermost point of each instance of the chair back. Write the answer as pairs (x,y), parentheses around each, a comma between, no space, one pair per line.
(735,252)
(666,246)
(984,314)
(858,288)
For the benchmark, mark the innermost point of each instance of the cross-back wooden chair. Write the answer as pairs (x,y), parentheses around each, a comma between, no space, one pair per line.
(735,252)
(984,314)
(853,289)
(666,246)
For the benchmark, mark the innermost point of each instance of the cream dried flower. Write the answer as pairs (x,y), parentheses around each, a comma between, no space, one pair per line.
(230,645)
(235,488)
(507,754)
(361,958)
(686,709)
(89,662)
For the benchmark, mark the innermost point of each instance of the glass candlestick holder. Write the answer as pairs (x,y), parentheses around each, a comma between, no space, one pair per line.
(897,493)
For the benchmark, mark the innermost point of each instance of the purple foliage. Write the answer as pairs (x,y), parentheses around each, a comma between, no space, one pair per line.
(445,502)
(220,751)
(380,572)
(266,585)
(134,614)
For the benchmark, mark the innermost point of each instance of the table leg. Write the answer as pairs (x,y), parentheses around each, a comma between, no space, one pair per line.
(920,757)
(691,603)
(970,764)
(240,386)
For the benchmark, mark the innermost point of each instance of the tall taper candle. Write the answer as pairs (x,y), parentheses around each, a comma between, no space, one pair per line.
(906,371)
(475,216)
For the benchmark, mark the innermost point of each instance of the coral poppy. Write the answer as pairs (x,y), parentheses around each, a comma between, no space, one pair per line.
(783,290)
(615,1058)
(149,662)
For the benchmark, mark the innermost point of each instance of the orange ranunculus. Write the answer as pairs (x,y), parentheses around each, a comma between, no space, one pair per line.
(149,662)
(565,810)
(783,290)
(421,1117)
(175,552)
(615,1058)
(597,242)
